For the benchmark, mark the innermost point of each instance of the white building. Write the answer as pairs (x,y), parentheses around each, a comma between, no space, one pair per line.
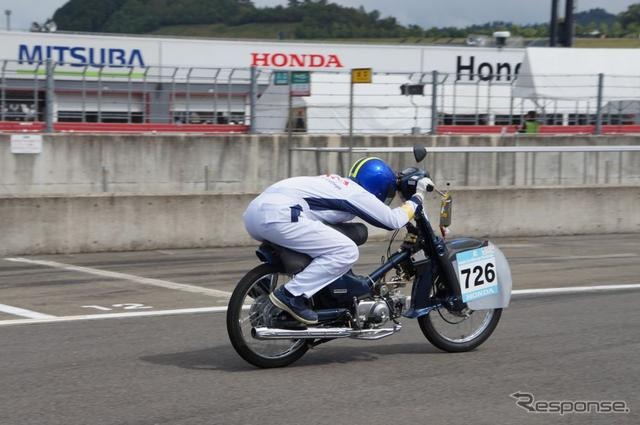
(152,79)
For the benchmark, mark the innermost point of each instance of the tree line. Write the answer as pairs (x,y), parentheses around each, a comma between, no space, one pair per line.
(310,19)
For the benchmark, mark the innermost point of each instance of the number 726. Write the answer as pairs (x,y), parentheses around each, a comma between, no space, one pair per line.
(481,275)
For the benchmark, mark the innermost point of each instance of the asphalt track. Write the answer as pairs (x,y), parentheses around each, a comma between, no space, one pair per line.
(181,369)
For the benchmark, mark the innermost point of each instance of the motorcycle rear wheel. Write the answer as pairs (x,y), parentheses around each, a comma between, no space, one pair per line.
(246,310)
(457,333)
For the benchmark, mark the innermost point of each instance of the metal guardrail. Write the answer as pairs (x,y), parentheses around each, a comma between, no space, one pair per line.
(478,149)
(597,165)
(394,103)
(49,91)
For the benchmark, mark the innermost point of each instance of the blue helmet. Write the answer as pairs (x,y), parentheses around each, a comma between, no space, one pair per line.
(376,177)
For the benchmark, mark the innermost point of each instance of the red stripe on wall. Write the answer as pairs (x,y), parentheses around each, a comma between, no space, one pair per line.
(78,127)
(544,129)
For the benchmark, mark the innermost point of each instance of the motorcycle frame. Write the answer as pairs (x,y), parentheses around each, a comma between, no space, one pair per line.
(436,264)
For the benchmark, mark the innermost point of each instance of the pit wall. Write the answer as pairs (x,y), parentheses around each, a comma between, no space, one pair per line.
(169,164)
(121,222)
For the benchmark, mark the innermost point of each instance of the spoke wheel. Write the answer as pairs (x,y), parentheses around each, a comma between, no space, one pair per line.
(250,307)
(459,331)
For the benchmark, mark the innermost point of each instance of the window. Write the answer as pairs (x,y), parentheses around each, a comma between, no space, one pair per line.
(463,119)
(582,119)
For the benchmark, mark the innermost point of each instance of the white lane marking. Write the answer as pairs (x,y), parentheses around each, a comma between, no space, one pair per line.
(123,276)
(517,292)
(97,307)
(576,289)
(54,319)
(517,245)
(17,311)
(586,257)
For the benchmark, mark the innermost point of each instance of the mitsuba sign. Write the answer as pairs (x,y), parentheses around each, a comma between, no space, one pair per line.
(485,71)
(80,56)
(294,60)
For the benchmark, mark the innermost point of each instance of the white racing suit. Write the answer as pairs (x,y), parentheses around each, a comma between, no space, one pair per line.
(292,213)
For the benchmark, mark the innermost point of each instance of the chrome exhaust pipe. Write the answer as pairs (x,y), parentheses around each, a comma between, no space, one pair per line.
(323,333)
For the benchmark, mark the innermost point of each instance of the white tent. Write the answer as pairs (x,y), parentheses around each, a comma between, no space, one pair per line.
(573,74)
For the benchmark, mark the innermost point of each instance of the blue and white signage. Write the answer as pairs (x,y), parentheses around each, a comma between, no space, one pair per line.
(80,55)
(477,273)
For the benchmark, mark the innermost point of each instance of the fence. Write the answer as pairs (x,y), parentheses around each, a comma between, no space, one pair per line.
(66,97)
(54,92)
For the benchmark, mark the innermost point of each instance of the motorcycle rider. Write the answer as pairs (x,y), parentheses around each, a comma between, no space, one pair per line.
(292,213)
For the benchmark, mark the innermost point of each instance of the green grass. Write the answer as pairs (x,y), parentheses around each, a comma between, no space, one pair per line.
(271,31)
(608,43)
(260,31)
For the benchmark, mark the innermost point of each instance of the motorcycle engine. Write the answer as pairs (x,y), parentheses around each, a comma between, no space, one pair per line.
(376,311)
(373,311)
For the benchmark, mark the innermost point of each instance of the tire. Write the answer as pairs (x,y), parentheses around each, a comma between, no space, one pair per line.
(430,329)
(264,354)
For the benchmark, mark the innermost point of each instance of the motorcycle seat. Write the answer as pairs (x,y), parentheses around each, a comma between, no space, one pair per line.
(294,262)
(357,232)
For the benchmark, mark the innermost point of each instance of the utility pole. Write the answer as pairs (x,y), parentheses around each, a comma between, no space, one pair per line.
(568,23)
(553,25)
(7,12)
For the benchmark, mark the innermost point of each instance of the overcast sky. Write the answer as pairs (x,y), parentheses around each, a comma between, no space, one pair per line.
(426,13)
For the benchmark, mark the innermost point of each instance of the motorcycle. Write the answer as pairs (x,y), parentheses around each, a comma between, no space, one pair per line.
(459,288)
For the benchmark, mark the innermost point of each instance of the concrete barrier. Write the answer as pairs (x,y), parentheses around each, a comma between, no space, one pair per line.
(92,223)
(153,163)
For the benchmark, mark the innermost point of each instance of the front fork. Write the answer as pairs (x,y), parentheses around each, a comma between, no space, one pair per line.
(436,263)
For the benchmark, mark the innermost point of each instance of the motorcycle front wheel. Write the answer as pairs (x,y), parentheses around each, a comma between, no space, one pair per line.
(458,332)
(249,307)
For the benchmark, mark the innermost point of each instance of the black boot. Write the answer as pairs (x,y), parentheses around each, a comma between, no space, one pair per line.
(298,307)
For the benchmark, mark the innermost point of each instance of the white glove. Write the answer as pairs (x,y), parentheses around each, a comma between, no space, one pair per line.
(423,186)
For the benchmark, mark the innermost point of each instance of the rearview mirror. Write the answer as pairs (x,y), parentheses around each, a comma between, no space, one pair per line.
(419,153)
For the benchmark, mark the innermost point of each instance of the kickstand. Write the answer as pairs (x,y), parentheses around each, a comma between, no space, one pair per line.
(356,319)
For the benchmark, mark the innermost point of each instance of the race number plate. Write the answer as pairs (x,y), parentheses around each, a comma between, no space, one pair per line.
(477,273)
